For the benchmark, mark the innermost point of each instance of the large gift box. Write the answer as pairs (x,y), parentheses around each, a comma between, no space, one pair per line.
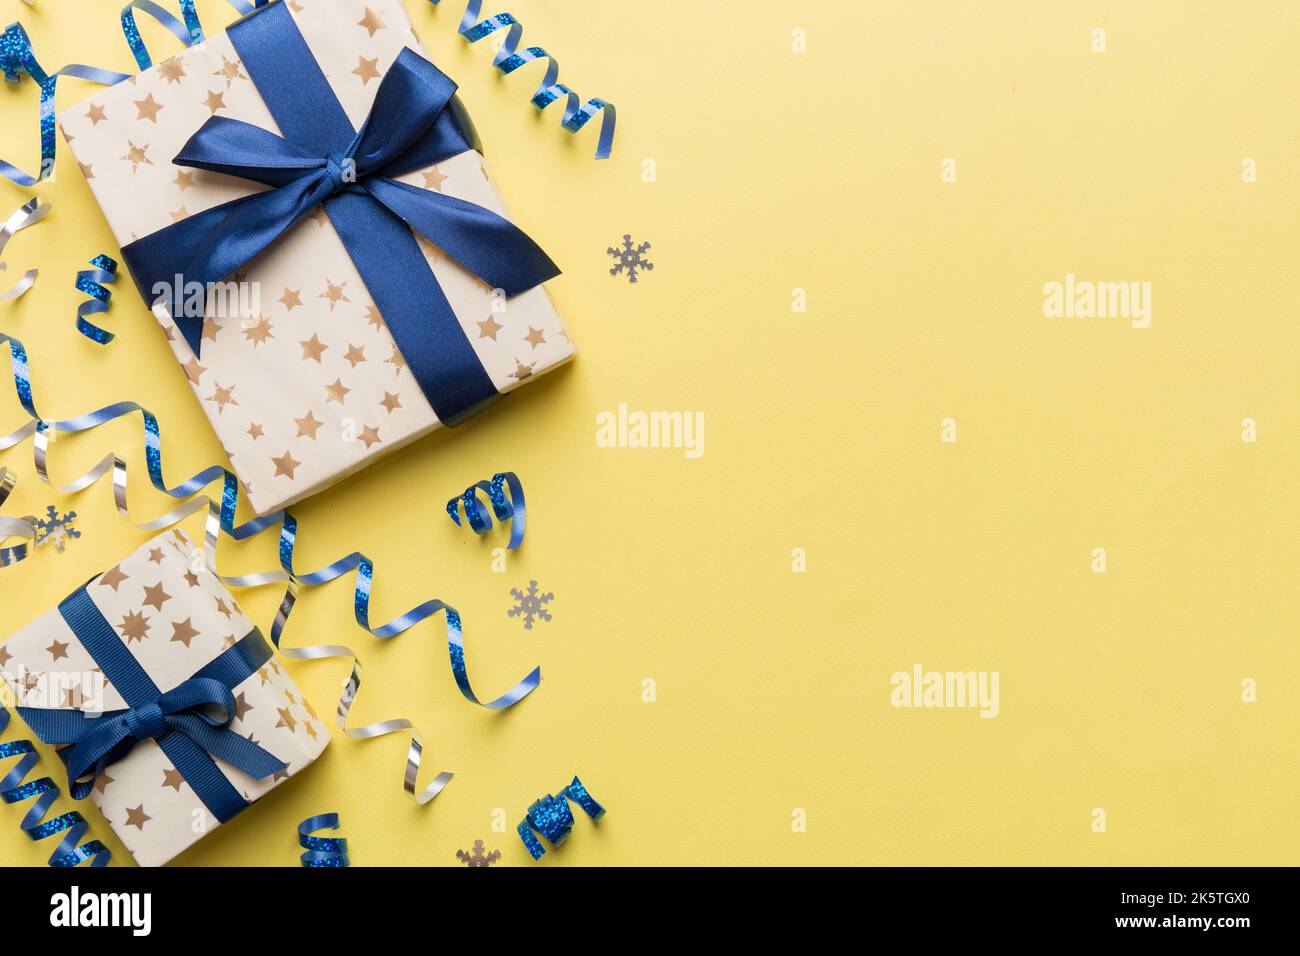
(170,711)
(330,295)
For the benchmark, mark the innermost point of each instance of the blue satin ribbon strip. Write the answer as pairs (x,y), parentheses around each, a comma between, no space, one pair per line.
(103,270)
(510,508)
(322,851)
(221,520)
(181,720)
(72,825)
(510,58)
(551,817)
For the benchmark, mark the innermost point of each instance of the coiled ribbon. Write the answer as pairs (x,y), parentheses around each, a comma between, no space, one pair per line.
(221,519)
(510,58)
(13,527)
(72,825)
(29,213)
(551,817)
(510,509)
(322,851)
(103,270)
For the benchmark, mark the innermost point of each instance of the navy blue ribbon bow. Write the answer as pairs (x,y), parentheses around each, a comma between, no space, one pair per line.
(321,160)
(190,722)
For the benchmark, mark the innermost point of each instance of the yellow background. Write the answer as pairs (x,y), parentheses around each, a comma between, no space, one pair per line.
(819,170)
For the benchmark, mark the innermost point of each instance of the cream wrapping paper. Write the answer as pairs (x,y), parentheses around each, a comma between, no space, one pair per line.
(309,386)
(174,616)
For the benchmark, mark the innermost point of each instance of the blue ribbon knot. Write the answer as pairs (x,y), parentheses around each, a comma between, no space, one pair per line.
(321,159)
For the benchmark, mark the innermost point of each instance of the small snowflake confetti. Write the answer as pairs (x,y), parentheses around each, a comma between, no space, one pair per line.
(56,528)
(629,258)
(530,604)
(477,857)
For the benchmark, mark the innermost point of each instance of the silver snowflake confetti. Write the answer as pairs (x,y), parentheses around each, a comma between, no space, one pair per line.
(628,259)
(530,604)
(56,528)
(477,857)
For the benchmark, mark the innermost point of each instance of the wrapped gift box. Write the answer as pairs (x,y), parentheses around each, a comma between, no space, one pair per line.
(297,367)
(161,611)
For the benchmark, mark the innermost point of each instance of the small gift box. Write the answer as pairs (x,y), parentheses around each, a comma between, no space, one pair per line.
(170,712)
(331,294)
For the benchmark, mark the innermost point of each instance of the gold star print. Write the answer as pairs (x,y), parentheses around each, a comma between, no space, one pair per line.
(136,817)
(373,317)
(285,465)
(87,170)
(390,402)
(135,155)
(102,781)
(210,329)
(242,707)
(286,718)
(155,555)
(396,361)
(59,649)
(336,392)
(173,778)
(223,397)
(433,179)
(191,579)
(279,775)
(255,430)
(134,627)
(372,22)
(310,709)
(228,642)
(73,698)
(223,607)
(31,681)
(369,435)
(308,426)
(334,293)
(313,348)
(5,657)
(112,577)
(366,69)
(310,729)
(290,298)
(230,71)
(171,70)
(183,631)
(259,333)
(184,179)
(147,108)
(95,114)
(489,327)
(355,354)
(155,596)
(522,371)
(215,101)
(179,214)
(170,332)
(534,337)
(193,370)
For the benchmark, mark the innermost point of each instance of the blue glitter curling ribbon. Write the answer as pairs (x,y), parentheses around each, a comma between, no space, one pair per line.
(103,270)
(510,58)
(221,520)
(510,508)
(17,59)
(322,851)
(13,527)
(551,817)
(72,825)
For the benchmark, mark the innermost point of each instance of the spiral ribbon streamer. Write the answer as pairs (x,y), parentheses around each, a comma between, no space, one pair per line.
(72,825)
(13,527)
(322,851)
(551,817)
(28,214)
(103,270)
(510,509)
(221,519)
(510,58)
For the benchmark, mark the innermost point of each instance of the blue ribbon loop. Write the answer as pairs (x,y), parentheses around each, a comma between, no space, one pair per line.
(510,508)
(322,851)
(322,160)
(551,817)
(91,281)
(181,720)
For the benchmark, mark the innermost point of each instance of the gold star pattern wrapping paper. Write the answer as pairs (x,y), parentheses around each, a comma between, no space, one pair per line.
(308,386)
(174,617)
